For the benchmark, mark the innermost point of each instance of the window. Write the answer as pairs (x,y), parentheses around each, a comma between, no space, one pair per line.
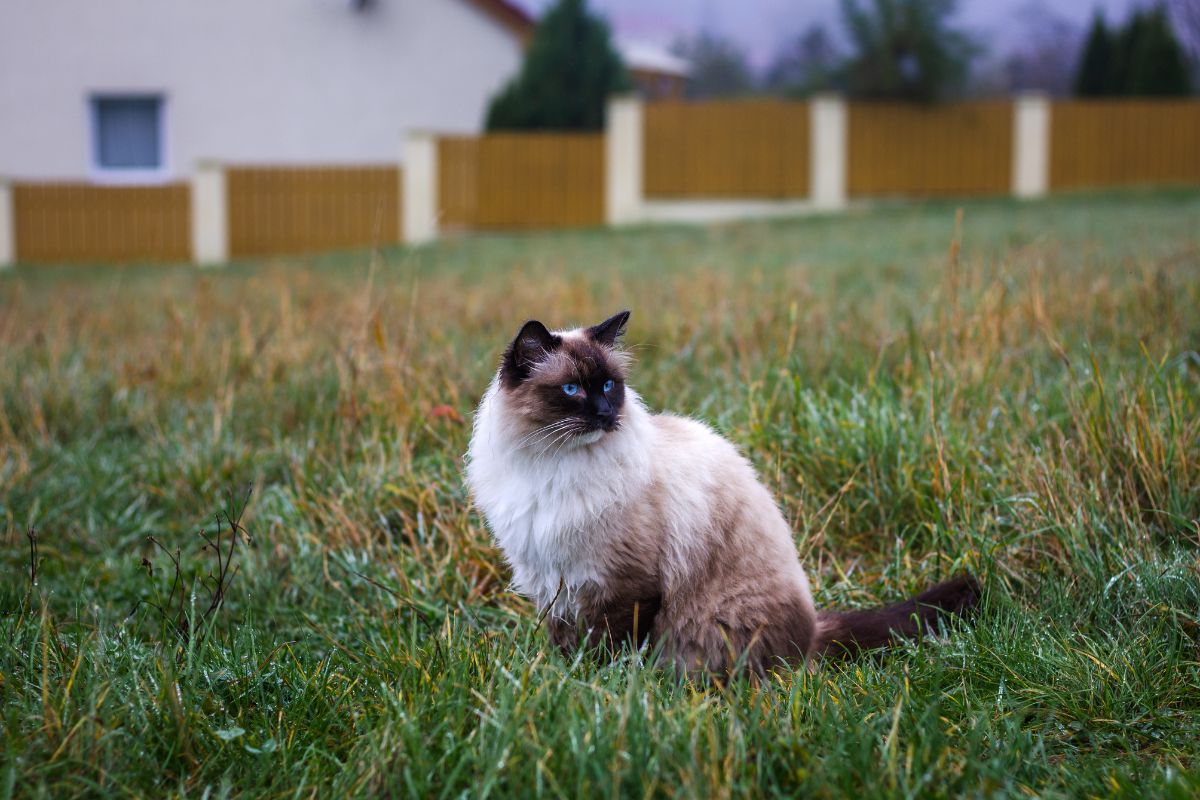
(127,135)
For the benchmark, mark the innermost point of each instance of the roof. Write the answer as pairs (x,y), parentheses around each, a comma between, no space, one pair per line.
(508,13)
(645,57)
(638,56)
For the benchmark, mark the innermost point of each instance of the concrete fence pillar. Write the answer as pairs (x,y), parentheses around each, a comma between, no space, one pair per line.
(419,188)
(623,161)
(8,226)
(1031,145)
(828,151)
(210,218)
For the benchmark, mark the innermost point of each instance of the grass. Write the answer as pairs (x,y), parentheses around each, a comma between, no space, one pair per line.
(1015,393)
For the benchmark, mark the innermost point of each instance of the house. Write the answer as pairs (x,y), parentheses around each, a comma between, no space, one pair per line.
(136,91)
(657,73)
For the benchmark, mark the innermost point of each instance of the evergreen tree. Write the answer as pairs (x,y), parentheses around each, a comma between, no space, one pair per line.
(1125,42)
(1157,65)
(905,49)
(1144,58)
(570,70)
(1094,77)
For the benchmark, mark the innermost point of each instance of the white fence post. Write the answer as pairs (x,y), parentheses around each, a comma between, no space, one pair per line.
(623,143)
(8,226)
(827,151)
(1031,145)
(419,189)
(210,224)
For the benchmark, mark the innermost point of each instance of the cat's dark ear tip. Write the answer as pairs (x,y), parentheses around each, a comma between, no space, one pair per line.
(534,336)
(530,323)
(608,331)
(532,342)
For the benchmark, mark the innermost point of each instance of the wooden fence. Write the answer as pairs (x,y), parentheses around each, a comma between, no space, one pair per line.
(521,180)
(753,149)
(959,149)
(75,222)
(749,148)
(1124,142)
(277,210)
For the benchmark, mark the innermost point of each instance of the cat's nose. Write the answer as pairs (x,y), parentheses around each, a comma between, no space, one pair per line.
(606,416)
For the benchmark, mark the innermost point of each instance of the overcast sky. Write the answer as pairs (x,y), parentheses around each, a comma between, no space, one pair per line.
(761,25)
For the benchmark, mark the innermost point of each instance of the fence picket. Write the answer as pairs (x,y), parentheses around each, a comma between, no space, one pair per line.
(76,222)
(521,180)
(274,210)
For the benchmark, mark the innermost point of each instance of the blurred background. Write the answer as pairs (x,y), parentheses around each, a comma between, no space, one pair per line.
(179,131)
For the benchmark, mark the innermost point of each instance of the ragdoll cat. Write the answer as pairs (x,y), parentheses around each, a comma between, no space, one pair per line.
(623,525)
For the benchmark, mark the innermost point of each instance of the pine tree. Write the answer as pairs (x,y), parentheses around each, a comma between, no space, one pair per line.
(1125,43)
(570,70)
(1142,58)
(1095,66)
(1157,66)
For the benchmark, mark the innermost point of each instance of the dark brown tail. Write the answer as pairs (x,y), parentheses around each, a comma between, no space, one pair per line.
(845,634)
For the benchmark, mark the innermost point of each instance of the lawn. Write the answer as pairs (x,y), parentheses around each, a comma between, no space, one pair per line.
(1012,389)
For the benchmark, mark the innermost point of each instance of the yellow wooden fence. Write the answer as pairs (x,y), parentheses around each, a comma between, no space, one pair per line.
(747,149)
(521,180)
(722,149)
(955,149)
(1124,142)
(76,222)
(275,210)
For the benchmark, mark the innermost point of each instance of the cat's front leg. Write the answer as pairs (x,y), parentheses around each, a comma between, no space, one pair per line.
(563,633)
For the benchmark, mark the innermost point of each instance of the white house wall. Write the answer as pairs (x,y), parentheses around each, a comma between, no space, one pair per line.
(254,81)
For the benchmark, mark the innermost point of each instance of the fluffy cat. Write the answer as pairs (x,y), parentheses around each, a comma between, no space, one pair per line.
(627,526)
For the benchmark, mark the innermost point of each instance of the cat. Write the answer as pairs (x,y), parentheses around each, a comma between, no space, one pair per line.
(625,526)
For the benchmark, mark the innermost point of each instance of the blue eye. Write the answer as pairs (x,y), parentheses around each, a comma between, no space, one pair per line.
(608,385)
(570,388)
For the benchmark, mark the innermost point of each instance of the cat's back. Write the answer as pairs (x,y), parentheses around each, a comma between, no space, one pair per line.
(688,446)
(701,476)
(727,549)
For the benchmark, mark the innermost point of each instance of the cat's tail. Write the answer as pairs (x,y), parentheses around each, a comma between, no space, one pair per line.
(844,634)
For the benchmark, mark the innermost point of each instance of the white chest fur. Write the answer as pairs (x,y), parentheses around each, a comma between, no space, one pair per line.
(551,512)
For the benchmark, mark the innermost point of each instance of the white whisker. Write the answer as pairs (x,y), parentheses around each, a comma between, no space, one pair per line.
(545,430)
(562,438)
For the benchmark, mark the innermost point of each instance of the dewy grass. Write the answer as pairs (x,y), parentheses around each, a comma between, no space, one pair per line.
(1016,395)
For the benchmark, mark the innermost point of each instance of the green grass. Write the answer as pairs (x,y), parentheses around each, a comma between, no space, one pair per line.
(1017,395)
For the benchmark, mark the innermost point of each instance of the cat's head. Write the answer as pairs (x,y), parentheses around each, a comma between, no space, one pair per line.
(568,384)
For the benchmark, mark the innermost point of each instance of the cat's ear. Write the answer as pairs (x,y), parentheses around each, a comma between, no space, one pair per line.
(532,344)
(608,331)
